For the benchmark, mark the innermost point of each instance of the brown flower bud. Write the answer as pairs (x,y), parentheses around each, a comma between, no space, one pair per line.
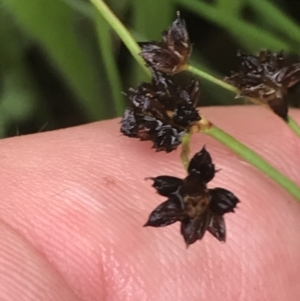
(171,54)
(266,77)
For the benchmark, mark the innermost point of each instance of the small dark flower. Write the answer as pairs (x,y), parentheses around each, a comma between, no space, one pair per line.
(267,78)
(171,54)
(161,111)
(192,203)
(164,137)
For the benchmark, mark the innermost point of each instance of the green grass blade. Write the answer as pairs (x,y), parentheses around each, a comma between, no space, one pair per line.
(250,35)
(109,61)
(255,160)
(232,7)
(121,30)
(276,18)
(52,24)
(145,19)
(18,92)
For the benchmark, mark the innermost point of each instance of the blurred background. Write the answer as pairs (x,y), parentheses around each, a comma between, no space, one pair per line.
(61,64)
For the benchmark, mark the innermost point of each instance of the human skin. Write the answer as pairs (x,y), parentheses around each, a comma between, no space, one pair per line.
(73,202)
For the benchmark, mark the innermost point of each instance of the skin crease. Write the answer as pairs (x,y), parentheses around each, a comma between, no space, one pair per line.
(73,202)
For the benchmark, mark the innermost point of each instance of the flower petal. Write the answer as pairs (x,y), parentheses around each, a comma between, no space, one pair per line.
(217,227)
(280,107)
(159,58)
(222,201)
(202,165)
(166,213)
(166,185)
(177,37)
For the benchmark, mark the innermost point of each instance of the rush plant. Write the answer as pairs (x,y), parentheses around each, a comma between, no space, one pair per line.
(165,113)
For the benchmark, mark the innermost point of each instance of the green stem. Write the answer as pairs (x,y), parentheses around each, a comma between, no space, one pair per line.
(255,160)
(293,126)
(211,78)
(185,150)
(121,31)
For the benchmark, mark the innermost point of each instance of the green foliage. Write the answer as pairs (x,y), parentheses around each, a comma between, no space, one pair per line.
(85,67)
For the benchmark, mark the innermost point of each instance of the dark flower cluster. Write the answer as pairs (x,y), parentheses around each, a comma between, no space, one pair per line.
(161,111)
(192,203)
(267,78)
(171,54)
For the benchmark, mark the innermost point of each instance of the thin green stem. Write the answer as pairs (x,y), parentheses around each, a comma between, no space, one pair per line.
(211,78)
(255,160)
(185,150)
(121,31)
(294,126)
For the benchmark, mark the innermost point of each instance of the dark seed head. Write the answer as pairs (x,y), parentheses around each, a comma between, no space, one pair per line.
(266,77)
(171,54)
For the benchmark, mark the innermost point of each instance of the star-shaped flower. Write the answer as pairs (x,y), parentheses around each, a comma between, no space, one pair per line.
(161,111)
(171,54)
(267,78)
(192,203)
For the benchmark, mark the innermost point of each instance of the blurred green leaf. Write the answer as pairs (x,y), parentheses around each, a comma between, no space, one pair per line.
(232,7)
(18,97)
(276,19)
(84,8)
(51,24)
(109,61)
(119,7)
(253,37)
(145,19)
